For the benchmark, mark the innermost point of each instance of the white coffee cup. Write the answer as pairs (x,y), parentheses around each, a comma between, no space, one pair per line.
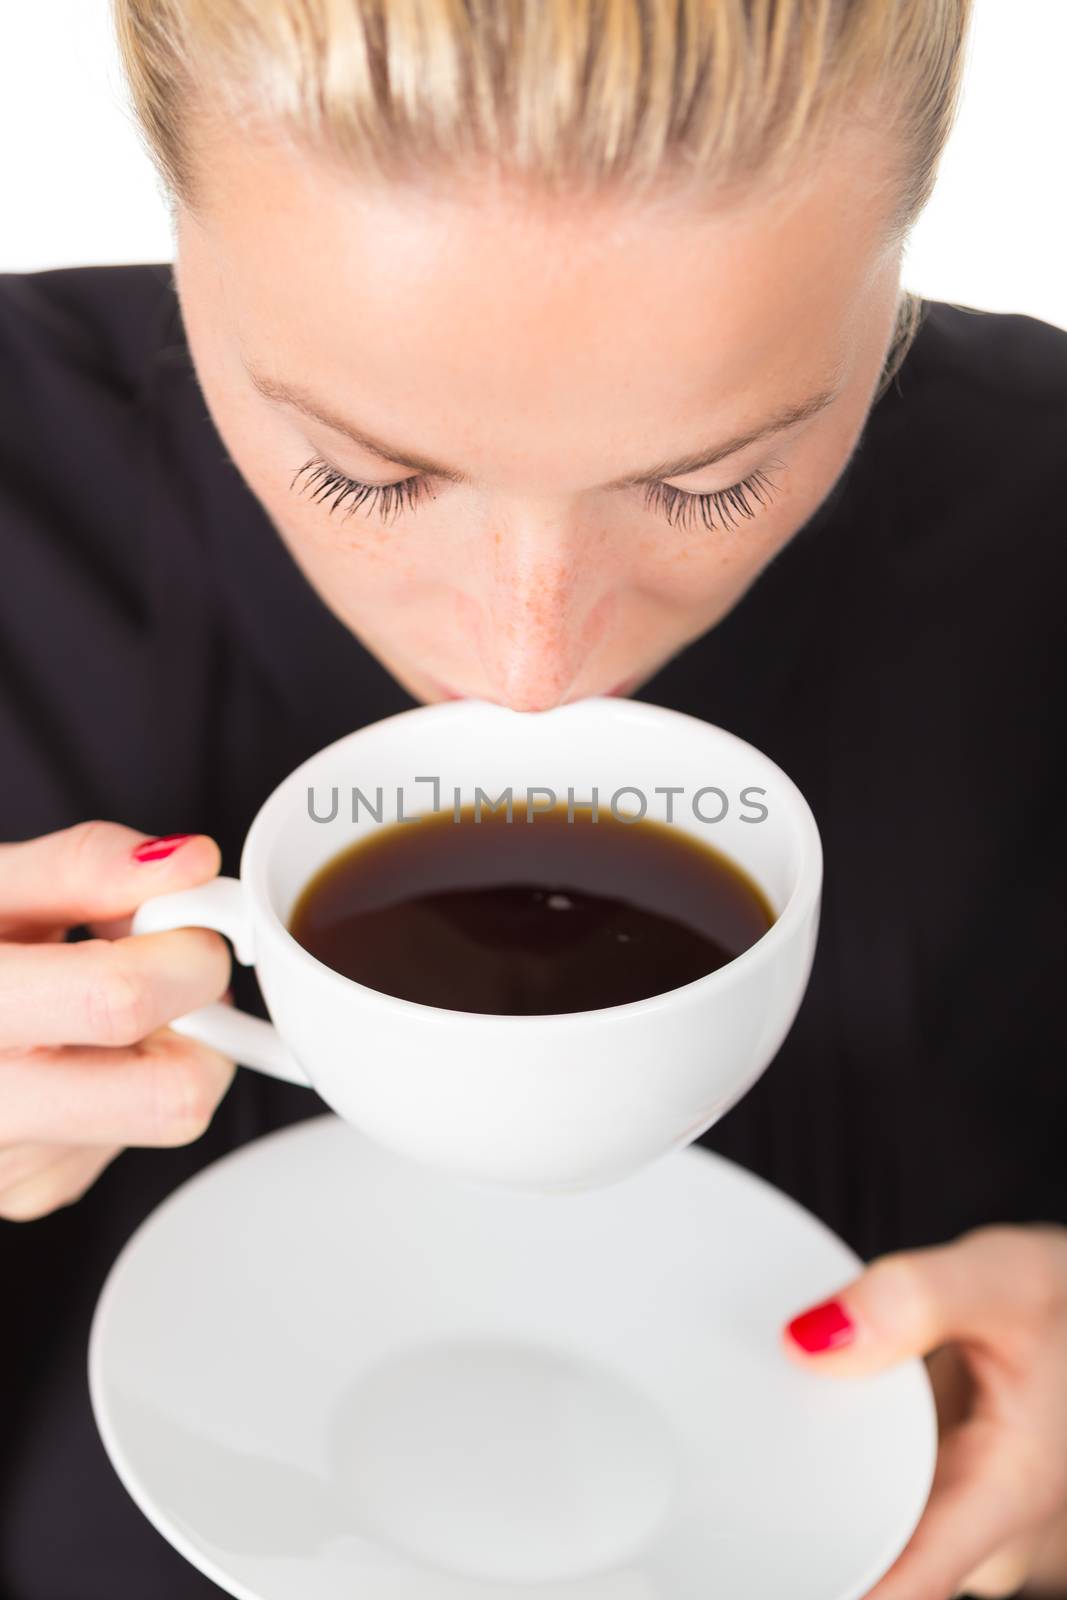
(531,1102)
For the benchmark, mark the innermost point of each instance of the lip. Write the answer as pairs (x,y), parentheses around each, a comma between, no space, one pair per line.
(444,691)
(624,687)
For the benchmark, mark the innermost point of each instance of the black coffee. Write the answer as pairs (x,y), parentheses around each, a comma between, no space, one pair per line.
(526,917)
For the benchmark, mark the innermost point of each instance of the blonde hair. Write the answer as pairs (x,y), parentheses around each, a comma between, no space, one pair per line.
(622,92)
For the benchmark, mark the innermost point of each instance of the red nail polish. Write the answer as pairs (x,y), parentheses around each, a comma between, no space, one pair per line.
(165,845)
(824,1327)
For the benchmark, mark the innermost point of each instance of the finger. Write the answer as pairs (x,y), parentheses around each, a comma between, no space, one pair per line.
(161,1092)
(983,1288)
(981,1503)
(58,1182)
(953,1384)
(91,871)
(1004,1573)
(954,1394)
(36,933)
(107,992)
(110,927)
(1050,1556)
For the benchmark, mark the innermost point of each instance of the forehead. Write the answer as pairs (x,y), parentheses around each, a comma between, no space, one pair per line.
(479,312)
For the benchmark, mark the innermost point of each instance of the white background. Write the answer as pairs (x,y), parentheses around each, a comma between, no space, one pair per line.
(77,188)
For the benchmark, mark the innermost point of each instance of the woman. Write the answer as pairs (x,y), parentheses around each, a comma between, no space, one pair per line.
(534,350)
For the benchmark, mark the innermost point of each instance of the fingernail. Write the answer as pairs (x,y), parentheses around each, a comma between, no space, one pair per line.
(824,1327)
(165,845)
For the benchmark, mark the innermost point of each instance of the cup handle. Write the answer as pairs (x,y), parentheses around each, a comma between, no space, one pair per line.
(249,1040)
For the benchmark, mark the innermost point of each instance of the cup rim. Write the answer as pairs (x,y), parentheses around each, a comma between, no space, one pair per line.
(803,896)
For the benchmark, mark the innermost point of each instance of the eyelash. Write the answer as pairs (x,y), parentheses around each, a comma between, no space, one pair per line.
(716,508)
(682,508)
(333,488)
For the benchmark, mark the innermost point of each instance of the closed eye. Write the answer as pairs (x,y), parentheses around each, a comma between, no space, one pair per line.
(335,489)
(717,508)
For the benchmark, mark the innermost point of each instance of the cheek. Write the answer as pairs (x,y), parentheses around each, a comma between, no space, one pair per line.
(366,574)
(392,579)
(693,565)
(328,545)
(700,573)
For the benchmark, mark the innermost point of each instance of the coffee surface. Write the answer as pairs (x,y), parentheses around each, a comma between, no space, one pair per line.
(521,917)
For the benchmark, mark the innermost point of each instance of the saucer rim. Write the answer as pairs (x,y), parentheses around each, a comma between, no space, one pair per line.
(697,1158)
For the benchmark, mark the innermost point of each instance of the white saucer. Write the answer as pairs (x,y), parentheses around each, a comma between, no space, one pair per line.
(326,1374)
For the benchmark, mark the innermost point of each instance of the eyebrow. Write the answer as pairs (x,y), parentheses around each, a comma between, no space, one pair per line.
(395,455)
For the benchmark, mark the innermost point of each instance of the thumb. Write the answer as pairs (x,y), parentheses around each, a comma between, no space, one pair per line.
(909,1303)
(96,873)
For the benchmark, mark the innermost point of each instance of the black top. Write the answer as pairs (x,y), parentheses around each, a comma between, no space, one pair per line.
(163,663)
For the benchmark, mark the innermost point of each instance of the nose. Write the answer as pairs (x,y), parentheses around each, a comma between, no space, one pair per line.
(541,621)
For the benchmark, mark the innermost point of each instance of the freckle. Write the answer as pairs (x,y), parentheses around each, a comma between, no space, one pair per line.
(683,553)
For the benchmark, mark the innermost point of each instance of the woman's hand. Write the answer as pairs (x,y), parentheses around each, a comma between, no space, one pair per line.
(87,1064)
(990,1314)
